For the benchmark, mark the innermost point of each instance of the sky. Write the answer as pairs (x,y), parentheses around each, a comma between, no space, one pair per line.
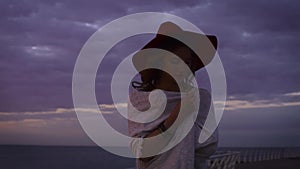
(41,40)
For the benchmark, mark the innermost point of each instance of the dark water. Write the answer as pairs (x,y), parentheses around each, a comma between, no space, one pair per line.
(68,157)
(60,157)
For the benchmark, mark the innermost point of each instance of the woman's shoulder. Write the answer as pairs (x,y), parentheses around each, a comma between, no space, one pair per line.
(204,92)
(204,96)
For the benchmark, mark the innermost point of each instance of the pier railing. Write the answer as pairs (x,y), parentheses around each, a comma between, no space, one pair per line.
(225,159)
(228,159)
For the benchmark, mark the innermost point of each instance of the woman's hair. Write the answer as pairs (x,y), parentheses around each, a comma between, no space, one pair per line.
(150,77)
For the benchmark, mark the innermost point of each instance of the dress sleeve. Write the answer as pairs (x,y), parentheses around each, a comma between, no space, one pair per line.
(208,147)
(138,131)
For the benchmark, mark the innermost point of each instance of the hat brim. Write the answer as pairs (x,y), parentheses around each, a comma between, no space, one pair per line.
(202,47)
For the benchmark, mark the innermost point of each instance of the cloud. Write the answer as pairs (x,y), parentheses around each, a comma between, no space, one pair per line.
(59,127)
(234,103)
(243,104)
(41,41)
(59,113)
(293,94)
(55,131)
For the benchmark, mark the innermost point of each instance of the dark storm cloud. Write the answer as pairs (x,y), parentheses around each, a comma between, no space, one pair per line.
(266,50)
(258,43)
(38,55)
(41,41)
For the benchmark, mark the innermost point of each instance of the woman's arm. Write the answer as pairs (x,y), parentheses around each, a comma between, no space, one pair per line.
(187,101)
(159,144)
(168,122)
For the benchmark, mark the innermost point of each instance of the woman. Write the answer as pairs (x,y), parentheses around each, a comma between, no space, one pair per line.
(174,80)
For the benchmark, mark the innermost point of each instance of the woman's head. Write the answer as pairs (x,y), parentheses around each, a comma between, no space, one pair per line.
(173,65)
(180,64)
(195,49)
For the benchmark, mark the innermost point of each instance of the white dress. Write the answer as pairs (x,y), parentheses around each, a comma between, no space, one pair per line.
(188,154)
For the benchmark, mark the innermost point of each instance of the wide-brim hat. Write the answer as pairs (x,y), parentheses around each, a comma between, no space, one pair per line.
(170,36)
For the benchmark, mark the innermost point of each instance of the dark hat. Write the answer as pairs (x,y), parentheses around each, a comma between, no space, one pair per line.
(170,37)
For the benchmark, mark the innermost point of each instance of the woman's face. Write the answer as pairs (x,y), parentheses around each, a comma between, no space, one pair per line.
(176,66)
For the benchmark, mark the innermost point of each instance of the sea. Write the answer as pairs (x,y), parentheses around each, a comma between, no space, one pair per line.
(77,157)
(60,157)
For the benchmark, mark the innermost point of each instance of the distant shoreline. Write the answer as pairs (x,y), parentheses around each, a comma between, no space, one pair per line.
(36,145)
